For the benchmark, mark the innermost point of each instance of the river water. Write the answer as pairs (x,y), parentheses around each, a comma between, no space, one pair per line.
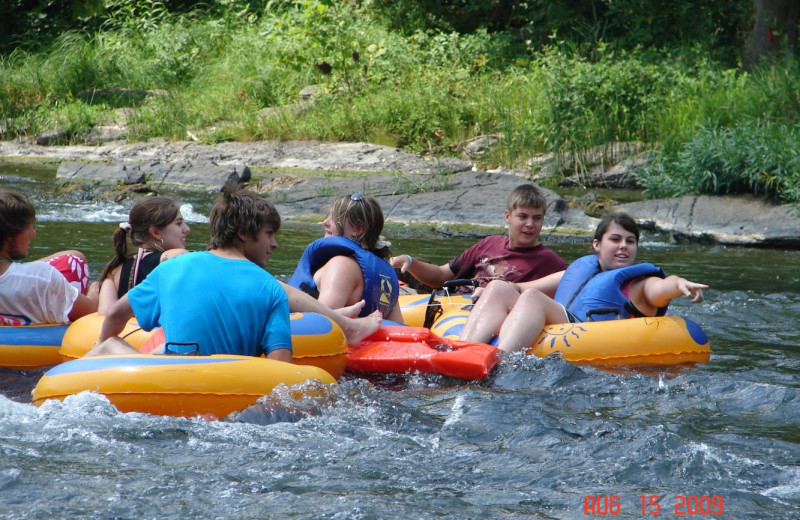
(541,438)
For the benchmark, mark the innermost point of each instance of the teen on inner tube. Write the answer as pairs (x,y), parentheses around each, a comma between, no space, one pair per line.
(607,280)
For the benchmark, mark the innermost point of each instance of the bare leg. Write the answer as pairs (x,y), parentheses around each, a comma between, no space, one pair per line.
(532,311)
(113,345)
(73,252)
(355,329)
(352,311)
(489,313)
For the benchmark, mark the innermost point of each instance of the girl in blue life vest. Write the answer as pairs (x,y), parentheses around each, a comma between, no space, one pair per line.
(350,262)
(605,285)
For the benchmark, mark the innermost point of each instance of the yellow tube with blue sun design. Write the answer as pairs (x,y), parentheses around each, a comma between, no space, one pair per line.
(658,341)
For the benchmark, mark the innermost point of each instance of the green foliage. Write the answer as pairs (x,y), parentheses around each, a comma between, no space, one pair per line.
(134,15)
(776,92)
(752,156)
(423,116)
(617,97)
(325,35)
(166,54)
(32,24)
(717,25)
(72,65)
(163,117)
(731,132)
(72,118)
(541,76)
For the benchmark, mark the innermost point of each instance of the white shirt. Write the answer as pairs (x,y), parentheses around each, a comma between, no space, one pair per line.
(35,292)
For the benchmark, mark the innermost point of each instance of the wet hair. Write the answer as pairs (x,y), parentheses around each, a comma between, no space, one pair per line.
(239,210)
(16,213)
(360,210)
(619,218)
(526,196)
(146,213)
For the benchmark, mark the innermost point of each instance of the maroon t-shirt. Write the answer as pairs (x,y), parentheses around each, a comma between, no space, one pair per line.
(492,259)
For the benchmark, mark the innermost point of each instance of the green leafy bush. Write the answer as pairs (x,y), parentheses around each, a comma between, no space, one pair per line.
(752,156)
(541,76)
(617,97)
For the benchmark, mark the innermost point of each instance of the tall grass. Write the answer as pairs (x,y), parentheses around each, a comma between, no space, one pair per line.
(732,132)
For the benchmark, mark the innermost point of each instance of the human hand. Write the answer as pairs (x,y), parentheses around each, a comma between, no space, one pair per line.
(172,253)
(692,289)
(401,261)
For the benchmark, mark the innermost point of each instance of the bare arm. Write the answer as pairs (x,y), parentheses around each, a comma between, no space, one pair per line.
(302,302)
(110,286)
(86,303)
(108,296)
(340,282)
(117,318)
(430,274)
(354,329)
(396,314)
(547,284)
(281,354)
(652,293)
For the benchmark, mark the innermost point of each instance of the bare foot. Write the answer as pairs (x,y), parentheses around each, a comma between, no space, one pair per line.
(357,329)
(352,311)
(113,345)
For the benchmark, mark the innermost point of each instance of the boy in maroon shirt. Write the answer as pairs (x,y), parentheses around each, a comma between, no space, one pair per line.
(517,257)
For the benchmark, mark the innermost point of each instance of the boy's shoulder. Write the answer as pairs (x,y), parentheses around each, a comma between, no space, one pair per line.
(490,242)
(494,239)
(35,268)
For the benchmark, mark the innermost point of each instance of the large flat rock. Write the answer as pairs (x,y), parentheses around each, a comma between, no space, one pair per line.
(412,189)
(730,220)
(307,155)
(466,198)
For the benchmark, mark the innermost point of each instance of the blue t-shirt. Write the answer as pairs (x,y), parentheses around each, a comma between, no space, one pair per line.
(224,306)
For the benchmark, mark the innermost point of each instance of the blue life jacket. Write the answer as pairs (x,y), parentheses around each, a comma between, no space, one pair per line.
(585,288)
(380,279)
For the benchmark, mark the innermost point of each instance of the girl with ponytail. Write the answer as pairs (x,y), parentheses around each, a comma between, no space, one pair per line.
(157,232)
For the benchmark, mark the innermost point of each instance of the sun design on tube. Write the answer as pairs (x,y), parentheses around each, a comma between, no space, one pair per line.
(564,332)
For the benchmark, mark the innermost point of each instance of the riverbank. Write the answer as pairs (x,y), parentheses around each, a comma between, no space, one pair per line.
(446,195)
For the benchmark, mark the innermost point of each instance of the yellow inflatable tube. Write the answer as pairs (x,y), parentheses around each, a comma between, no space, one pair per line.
(183,386)
(319,342)
(83,333)
(30,346)
(316,340)
(414,307)
(662,341)
(666,340)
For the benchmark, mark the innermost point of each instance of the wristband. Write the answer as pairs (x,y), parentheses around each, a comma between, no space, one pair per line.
(410,261)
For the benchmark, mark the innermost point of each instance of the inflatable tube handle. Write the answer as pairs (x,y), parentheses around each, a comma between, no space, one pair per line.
(459,282)
(434,309)
(601,310)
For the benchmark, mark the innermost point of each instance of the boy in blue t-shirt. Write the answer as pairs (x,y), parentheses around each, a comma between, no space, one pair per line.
(221,301)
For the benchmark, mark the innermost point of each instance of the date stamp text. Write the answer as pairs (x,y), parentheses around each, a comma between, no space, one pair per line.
(652,505)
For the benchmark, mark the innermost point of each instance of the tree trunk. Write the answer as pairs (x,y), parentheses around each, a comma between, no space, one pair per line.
(774,29)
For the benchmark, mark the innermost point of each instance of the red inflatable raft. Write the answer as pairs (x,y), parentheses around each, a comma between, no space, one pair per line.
(401,349)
